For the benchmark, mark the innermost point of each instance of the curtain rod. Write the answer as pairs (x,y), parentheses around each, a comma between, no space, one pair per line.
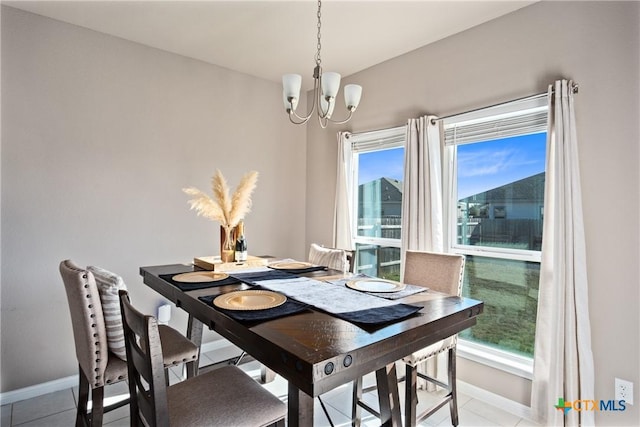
(574,89)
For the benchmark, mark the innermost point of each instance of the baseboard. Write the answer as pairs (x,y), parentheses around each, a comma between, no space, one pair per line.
(72,381)
(496,400)
(38,390)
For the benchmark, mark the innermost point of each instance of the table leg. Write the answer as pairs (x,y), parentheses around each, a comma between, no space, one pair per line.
(300,408)
(388,396)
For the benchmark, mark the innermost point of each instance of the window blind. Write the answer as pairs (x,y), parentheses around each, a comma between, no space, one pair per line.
(492,123)
(379,139)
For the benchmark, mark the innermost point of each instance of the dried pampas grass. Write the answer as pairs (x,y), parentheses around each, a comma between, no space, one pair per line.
(241,200)
(227,210)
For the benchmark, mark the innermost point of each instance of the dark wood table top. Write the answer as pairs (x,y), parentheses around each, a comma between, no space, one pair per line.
(314,350)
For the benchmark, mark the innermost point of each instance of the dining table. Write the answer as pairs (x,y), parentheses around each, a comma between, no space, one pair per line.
(311,345)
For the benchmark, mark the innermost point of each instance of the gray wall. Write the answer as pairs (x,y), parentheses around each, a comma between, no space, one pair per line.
(99,136)
(597,45)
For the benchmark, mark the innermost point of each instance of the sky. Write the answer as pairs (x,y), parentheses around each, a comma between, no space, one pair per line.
(486,165)
(481,166)
(378,164)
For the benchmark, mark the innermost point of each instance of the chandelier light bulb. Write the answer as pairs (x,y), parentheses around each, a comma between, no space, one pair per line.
(330,84)
(291,84)
(352,95)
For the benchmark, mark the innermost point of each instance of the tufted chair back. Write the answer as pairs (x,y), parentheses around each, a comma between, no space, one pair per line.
(89,330)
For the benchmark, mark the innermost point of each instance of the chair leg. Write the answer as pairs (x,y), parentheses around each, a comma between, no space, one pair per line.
(97,406)
(356,412)
(411,395)
(453,403)
(83,399)
(194,334)
(191,369)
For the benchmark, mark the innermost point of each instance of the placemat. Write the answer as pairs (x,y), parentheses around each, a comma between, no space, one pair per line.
(303,270)
(286,309)
(380,315)
(200,285)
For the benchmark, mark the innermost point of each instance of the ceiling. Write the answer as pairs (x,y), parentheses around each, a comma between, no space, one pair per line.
(271,38)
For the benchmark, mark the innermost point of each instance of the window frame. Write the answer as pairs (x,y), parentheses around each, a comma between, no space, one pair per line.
(366,142)
(504,360)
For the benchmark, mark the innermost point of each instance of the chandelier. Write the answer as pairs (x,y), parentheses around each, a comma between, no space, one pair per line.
(325,88)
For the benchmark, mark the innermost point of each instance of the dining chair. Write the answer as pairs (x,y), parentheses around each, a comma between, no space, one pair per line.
(441,273)
(337,259)
(98,366)
(221,397)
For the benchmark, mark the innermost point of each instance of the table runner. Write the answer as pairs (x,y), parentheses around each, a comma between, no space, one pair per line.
(342,302)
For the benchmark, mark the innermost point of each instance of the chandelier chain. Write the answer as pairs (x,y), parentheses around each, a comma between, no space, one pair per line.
(318,59)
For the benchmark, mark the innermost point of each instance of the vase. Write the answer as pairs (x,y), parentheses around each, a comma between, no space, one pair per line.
(227,244)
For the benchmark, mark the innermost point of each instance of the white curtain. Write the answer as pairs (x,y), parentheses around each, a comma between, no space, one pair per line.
(342,221)
(422,187)
(563,363)
(422,214)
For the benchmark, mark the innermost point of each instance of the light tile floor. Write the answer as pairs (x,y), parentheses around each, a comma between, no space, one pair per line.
(58,409)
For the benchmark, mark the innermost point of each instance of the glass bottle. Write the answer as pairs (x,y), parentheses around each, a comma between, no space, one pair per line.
(241,243)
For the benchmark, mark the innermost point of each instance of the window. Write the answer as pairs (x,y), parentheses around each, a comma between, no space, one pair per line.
(378,167)
(495,171)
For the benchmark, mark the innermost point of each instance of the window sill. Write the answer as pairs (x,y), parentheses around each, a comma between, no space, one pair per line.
(497,359)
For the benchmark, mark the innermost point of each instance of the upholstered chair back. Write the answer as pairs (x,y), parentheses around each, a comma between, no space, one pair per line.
(437,271)
(88,322)
(337,259)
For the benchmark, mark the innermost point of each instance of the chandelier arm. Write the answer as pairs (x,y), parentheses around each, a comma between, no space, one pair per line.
(340,122)
(323,121)
(301,122)
(306,118)
(318,102)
